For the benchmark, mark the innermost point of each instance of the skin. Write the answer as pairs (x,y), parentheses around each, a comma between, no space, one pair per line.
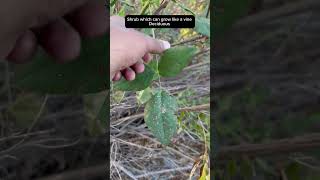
(130,49)
(58,27)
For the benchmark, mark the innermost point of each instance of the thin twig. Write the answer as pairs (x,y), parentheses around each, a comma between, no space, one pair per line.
(27,134)
(189,40)
(162,6)
(124,170)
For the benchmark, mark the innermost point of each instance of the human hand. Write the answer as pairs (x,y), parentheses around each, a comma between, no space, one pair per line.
(129,49)
(55,25)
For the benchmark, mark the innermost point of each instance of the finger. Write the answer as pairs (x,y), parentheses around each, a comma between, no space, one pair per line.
(47,10)
(128,74)
(60,40)
(117,20)
(147,57)
(24,48)
(156,46)
(90,20)
(117,76)
(138,67)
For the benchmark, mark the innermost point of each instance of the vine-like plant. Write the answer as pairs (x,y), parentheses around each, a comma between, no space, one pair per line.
(88,74)
(160,106)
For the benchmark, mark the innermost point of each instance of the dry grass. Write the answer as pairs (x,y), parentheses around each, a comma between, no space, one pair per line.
(136,154)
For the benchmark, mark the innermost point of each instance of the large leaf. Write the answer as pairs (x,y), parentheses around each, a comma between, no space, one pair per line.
(87,74)
(160,116)
(141,82)
(203,26)
(175,59)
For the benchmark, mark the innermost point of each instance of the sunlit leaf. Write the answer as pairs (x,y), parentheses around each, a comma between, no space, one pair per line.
(175,59)
(144,95)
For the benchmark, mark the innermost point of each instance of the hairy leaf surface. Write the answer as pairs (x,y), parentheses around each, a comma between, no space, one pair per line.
(160,116)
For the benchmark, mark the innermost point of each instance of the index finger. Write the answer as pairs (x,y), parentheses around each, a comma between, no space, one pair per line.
(156,46)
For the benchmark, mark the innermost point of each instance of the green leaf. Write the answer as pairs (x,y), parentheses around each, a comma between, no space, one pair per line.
(141,82)
(154,65)
(24,110)
(204,175)
(103,114)
(86,74)
(159,115)
(144,96)
(203,26)
(95,106)
(113,3)
(174,60)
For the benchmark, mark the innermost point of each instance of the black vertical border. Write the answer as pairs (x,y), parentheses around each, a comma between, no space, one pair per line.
(212,100)
(107,8)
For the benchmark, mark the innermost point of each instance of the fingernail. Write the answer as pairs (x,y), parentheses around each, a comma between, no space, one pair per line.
(166,44)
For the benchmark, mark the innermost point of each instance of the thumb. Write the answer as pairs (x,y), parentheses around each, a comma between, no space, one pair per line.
(157,46)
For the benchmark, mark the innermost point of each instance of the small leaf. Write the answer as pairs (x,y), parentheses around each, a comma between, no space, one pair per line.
(203,26)
(141,82)
(95,107)
(25,109)
(86,74)
(174,60)
(103,114)
(203,174)
(160,116)
(144,96)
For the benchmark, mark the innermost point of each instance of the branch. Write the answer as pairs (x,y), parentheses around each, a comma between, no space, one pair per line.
(162,6)
(190,40)
(186,109)
(195,108)
(288,145)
